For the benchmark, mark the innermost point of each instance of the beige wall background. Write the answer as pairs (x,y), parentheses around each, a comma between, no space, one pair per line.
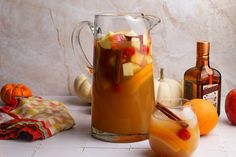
(35,47)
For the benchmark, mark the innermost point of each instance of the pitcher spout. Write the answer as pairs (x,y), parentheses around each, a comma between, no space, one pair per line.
(152,21)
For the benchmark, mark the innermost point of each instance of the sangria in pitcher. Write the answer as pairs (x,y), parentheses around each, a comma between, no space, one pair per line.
(123,94)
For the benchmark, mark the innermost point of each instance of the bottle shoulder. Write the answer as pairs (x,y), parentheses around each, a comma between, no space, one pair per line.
(216,72)
(200,70)
(190,70)
(202,74)
(193,71)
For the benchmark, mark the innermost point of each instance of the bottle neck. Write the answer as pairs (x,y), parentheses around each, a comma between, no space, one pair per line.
(202,61)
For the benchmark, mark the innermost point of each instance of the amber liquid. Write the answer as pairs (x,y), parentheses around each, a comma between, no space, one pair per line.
(197,77)
(164,139)
(122,105)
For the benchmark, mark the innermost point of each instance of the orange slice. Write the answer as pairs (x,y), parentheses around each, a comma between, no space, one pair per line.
(139,78)
(170,138)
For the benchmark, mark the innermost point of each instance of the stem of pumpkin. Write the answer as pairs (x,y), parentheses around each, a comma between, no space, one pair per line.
(161,74)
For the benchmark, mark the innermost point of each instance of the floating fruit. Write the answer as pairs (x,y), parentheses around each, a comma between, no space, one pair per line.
(138,58)
(135,42)
(145,49)
(128,52)
(184,134)
(128,69)
(117,41)
(170,137)
(137,80)
(105,41)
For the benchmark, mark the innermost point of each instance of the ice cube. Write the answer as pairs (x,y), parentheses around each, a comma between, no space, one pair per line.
(187,113)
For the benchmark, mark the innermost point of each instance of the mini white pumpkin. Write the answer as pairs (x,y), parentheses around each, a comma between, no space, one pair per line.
(83,88)
(166,88)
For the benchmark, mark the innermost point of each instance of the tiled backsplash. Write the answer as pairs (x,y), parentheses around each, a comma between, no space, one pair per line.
(35,45)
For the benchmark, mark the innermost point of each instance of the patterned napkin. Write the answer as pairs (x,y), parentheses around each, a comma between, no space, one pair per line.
(34,118)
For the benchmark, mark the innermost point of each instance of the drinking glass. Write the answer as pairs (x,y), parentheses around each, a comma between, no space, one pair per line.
(174,130)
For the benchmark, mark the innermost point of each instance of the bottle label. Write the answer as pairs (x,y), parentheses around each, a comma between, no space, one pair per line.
(210,92)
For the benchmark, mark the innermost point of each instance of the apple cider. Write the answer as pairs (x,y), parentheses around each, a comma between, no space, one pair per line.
(174,138)
(123,94)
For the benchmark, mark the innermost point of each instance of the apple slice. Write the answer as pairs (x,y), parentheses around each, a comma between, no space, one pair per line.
(128,69)
(161,146)
(139,79)
(135,42)
(118,41)
(105,41)
(136,68)
(170,137)
(138,58)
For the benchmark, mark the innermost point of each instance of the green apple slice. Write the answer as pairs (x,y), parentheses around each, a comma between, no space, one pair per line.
(136,67)
(105,41)
(135,42)
(129,69)
(138,58)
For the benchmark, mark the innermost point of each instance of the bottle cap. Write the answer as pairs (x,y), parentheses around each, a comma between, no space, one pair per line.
(203,48)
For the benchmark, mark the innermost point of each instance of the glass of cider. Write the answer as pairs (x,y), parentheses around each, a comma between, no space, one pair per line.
(173,130)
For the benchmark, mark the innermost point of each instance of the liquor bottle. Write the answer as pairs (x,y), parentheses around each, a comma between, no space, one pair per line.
(202,81)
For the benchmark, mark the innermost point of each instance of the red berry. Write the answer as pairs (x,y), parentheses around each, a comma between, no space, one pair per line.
(118,38)
(118,87)
(117,41)
(184,134)
(145,49)
(128,52)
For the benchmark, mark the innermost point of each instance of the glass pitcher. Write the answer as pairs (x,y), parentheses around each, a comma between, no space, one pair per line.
(122,86)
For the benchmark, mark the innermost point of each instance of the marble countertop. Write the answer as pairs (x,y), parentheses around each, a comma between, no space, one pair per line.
(78,141)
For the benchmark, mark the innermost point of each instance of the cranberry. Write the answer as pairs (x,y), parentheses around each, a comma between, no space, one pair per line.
(145,49)
(118,87)
(128,52)
(184,134)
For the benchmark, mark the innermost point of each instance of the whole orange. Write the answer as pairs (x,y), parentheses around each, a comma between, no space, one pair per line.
(206,114)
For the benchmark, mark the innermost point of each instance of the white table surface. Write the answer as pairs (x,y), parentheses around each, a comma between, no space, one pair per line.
(77,142)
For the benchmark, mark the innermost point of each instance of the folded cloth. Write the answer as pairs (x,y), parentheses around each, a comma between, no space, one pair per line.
(33,118)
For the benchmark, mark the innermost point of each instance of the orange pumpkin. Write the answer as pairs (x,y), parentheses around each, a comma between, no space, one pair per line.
(11,91)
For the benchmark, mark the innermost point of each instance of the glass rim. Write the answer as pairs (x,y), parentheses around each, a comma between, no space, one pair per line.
(187,101)
(104,14)
(177,107)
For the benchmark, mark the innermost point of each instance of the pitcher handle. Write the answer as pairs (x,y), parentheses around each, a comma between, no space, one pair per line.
(76,42)
(152,20)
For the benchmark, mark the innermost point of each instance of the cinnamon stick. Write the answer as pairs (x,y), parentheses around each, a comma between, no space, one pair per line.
(171,115)
(117,69)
